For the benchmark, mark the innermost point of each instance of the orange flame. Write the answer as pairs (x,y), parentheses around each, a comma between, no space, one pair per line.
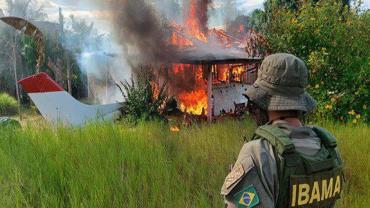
(177,68)
(174,129)
(177,40)
(223,72)
(194,102)
(238,72)
(192,23)
(194,99)
(241,28)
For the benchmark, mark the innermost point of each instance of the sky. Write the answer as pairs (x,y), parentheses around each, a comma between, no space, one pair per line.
(80,9)
(91,12)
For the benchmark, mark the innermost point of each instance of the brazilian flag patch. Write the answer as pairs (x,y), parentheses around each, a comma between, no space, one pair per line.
(247,198)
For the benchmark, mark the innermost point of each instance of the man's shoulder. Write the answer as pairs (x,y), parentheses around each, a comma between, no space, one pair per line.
(250,156)
(255,144)
(254,172)
(255,148)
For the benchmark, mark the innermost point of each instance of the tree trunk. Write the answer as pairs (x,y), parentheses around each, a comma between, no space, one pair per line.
(69,81)
(15,75)
(56,68)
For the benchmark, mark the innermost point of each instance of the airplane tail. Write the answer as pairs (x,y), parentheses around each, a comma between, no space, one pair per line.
(56,105)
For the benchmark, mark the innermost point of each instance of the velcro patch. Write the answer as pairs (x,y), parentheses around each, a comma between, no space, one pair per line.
(234,176)
(247,198)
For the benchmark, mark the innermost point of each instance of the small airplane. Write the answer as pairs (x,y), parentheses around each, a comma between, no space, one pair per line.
(58,106)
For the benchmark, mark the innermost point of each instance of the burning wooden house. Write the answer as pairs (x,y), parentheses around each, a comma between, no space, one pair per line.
(220,82)
(213,68)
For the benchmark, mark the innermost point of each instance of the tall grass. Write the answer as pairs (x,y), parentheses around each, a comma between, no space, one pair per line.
(110,165)
(354,145)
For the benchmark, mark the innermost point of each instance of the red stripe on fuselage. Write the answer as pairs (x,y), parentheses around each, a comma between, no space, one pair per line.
(40,83)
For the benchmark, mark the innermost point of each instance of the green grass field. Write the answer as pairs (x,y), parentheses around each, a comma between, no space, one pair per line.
(117,165)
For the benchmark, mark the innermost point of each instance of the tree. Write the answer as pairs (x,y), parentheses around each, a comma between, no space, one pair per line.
(81,34)
(12,39)
(270,6)
(257,19)
(332,41)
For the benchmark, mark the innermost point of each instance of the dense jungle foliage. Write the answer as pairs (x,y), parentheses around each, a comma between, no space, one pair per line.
(333,39)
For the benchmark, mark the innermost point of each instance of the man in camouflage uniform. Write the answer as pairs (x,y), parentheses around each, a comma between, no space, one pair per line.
(287,164)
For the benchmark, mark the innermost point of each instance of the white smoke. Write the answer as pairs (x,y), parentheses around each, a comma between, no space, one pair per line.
(101,59)
(104,68)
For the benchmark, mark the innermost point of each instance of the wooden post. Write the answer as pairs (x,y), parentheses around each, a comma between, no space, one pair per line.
(209,92)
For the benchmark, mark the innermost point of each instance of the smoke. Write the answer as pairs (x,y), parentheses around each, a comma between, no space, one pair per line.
(104,68)
(144,31)
(230,11)
(170,9)
(101,59)
(139,36)
(141,31)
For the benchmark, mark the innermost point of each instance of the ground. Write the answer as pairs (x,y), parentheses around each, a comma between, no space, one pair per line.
(147,165)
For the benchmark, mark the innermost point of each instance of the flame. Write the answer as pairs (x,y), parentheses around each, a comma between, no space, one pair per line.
(230,73)
(223,72)
(238,72)
(241,28)
(174,129)
(193,25)
(178,68)
(177,39)
(194,102)
(192,33)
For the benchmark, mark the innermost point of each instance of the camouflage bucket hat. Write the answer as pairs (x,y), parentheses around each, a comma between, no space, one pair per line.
(281,84)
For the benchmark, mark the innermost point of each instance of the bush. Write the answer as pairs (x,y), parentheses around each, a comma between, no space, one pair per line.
(8,105)
(6,122)
(144,98)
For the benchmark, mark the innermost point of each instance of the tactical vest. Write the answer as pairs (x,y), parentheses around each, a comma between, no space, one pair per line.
(305,181)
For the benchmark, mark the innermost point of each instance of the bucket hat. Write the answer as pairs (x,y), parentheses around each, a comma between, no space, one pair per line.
(280,85)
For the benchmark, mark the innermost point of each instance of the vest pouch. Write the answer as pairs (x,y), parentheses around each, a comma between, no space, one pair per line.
(322,161)
(292,160)
(314,167)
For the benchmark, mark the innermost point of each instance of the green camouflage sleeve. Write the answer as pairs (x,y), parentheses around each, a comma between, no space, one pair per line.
(253,181)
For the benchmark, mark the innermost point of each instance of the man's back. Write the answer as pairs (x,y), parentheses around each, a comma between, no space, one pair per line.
(261,165)
(287,164)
